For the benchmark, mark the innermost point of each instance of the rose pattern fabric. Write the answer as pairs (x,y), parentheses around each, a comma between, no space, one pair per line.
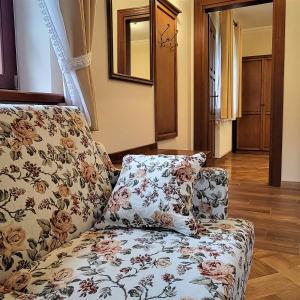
(143,264)
(155,191)
(113,172)
(210,197)
(53,182)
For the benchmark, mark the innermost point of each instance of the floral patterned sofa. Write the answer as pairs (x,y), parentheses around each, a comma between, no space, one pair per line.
(54,184)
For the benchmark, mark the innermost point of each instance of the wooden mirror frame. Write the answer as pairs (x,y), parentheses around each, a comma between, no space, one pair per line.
(110,43)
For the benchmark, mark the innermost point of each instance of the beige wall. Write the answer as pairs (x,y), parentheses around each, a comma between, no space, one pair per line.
(126,110)
(118,5)
(291,123)
(257,41)
(140,58)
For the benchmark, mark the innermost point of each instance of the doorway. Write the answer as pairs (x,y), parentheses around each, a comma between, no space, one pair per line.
(202,113)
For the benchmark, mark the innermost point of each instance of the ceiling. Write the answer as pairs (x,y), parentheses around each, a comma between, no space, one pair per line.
(254,16)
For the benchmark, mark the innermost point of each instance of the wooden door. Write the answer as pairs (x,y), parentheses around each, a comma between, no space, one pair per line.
(212,86)
(253,129)
(249,126)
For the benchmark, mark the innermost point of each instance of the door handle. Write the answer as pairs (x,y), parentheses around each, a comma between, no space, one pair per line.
(214,96)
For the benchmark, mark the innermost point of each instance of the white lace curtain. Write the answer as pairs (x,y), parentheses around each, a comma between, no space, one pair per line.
(70,24)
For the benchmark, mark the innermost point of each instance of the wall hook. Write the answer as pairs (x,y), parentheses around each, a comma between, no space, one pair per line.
(166,40)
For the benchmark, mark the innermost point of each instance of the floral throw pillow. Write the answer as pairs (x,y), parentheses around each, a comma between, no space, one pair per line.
(154,191)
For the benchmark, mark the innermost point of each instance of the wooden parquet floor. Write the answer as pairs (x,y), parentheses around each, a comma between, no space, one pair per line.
(275,212)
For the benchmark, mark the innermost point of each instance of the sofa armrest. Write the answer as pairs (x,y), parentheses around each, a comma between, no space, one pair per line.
(113,172)
(210,199)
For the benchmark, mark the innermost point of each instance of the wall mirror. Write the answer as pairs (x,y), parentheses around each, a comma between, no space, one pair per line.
(130,40)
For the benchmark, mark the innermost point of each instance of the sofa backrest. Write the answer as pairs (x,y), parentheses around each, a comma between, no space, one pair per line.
(113,172)
(53,182)
(210,199)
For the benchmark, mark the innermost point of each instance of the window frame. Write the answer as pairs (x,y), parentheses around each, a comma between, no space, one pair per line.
(7,45)
(9,92)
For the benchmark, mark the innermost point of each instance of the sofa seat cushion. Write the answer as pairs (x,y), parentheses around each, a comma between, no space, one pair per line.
(53,182)
(144,264)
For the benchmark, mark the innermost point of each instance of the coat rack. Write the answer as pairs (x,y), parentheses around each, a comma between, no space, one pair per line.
(166,41)
(166,116)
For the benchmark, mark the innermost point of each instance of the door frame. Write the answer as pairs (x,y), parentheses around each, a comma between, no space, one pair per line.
(202,8)
(212,115)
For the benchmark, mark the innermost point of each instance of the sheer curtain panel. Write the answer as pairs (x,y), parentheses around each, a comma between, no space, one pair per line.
(237,71)
(70,24)
(226,22)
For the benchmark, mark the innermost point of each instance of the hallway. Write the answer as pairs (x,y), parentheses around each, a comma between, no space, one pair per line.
(245,167)
(275,213)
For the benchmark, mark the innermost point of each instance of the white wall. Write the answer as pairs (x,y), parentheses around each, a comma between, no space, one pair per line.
(223,140)
(291,117)
(257,41)
(38,70)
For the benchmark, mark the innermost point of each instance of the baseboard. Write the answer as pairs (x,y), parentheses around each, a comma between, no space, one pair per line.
(290,185)
(117,157)
(223,155)
(254,152)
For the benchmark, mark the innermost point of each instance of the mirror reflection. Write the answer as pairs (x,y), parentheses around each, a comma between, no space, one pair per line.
(132,38)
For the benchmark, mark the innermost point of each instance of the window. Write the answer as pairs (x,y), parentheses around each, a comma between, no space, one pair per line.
(8,68)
